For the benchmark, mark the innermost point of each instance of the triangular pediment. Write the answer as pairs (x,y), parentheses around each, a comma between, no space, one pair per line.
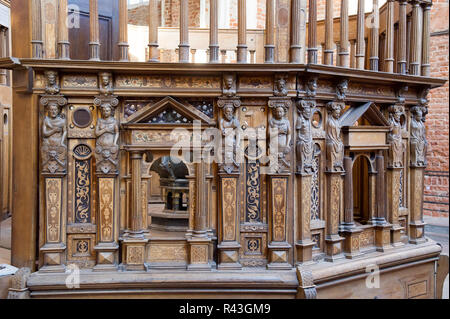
(369,111)
(169,111)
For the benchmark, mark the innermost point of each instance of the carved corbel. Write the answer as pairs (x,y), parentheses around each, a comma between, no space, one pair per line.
(107,135)
(341,90)
(279,86)
(52,86)
(231,134)
(105,83)
(229,85)
(306,288)
(18,289)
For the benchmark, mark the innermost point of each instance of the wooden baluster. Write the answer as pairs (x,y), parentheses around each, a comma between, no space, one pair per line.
(416,38)
(214,32)
(360,44)
(426,39)
(252,56)
(329,44)
(401,68)
(123,30)
(270,32)
(344,54)
(242,32)
(153,23)
(223,56)
(353,53)
(389,42)
(94,44)
(193,52)
(63,31)
(184,32)
(36,40)
(374,37)
(312,32)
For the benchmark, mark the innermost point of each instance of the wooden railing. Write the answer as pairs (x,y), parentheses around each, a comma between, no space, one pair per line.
(394,38)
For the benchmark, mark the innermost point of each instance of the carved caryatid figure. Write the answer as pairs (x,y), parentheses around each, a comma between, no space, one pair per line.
(54,133)
(394,137)
(229,85)
(106,83)
(280,86)
(106,147)
(418,141)
(230,128)
(52,86)
(305,146)
(280,136)
(335,147)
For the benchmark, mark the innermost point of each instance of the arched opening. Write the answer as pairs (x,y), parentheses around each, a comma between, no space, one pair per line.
(361,168)
(170,213)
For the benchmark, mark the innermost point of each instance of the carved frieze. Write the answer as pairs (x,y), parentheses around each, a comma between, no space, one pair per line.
(159,137)
(279,135)
(54,135)
(255,82)
(167,82)
(304,147)
(79,81)
(335,146)
(394,137)
(229,125)
(107,134)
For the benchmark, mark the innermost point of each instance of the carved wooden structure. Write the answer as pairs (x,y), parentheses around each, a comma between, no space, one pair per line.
(345,191)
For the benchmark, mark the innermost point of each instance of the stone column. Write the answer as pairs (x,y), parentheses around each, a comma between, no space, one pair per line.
(63,31)
(214,32)
(123,30)
(36,40)
(269,47)
(153,52)
(242,32)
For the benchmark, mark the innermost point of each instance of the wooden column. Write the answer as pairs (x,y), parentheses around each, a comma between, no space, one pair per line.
(426,39)
(63,31)
(312,32)
(402,44)
(242,32)
(94,44)
(416,38)
(295,48)
(3,54)
(344,49)
(153,24)
(408,41)
(374,38)
(214,31)
(123,30)
(269,47)
(133,243)
(360,43)
(36,40)
(352,53)
(329,43)
(389,42)
(184,32)
(417,224)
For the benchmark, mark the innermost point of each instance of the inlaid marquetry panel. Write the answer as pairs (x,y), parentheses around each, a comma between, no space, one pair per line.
(229,194)
(167,252)
(106,208)
(80,249)
(167,82)
(279,208)
(53,192)
(79,81)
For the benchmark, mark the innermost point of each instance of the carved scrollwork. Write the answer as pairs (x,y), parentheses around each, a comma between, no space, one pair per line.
(230,127)
(279,88)
(279,135)
(107,134)
(305,146)
(52,87)
(335,146)
(418,140)
(394,137)
(54,135)
(229,85)
(105,82)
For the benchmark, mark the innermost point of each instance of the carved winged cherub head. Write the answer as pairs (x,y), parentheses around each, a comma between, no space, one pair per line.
(341,89)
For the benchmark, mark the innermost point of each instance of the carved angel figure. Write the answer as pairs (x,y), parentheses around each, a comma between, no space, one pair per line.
(280,86)
(105,83)
(54,133)
(229,86)
(52,87)
(107,133)
(230,126)
(394,137)
(280,136)
(335,147)
(305,146)
(418,139)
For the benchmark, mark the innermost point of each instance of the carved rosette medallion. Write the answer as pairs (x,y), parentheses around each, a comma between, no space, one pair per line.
(279,135)
(54,135)
(231,134)
(335,146)
(107,136)
(394,137)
